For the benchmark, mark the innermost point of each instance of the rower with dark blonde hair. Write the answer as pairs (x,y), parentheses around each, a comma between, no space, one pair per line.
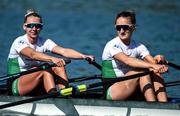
(123,56)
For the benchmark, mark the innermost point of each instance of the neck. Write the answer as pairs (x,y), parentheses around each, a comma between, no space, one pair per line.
(32,40)
(125,41)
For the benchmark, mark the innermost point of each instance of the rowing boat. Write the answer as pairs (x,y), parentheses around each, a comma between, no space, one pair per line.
(86,103)
(92,107)
(83,105)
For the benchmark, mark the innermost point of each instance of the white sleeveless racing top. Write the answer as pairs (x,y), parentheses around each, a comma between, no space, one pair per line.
(113,68)
(18,62)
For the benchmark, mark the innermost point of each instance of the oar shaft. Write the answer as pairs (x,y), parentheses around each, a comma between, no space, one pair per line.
(28,100)
(94,63)
(111,81)
(42,67)
(17,75)
(83,78)
(97,65)
(174,65)
(61,93)
(173,83)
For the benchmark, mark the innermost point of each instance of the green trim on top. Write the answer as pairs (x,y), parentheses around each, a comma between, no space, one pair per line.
(15,90)
(107,69)
(108,94)
(13,66)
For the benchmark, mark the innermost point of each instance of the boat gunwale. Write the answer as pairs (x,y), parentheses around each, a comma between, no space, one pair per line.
(98,102)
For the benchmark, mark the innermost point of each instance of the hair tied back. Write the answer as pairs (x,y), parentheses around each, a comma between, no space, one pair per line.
(29,11)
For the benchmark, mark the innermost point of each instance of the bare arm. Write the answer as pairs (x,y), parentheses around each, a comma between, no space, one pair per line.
(70,53)
(29,52)
(134,62)
(150,59)
(157,59)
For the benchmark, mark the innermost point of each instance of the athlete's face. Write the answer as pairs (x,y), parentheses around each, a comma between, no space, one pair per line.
(124,28)
(32,27)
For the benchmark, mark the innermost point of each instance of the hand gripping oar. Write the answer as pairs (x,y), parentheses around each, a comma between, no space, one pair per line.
(39,68)
(75,90)
(174,65)
(94,63)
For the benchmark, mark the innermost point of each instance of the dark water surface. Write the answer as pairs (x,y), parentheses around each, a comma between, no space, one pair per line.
(87,25)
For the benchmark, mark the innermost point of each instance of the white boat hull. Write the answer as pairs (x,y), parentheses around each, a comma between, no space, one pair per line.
(90,107)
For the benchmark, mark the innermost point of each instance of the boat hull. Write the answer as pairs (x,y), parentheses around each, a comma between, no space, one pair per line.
(59,106)
(93,107)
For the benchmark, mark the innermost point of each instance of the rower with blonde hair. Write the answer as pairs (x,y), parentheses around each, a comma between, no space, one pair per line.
(29,51)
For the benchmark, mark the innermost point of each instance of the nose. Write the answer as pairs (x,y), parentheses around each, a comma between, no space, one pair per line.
(122,30)
(34,28)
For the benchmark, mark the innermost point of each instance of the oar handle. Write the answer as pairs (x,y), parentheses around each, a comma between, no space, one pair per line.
(94,63)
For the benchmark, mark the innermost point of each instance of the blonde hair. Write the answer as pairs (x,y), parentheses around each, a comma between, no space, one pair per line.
(31,12)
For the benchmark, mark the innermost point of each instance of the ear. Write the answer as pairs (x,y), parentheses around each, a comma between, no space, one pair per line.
(134,28)
(24,27)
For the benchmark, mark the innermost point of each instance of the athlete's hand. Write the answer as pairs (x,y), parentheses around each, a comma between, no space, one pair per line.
(59,62)
(160,59)
(92,58)
(157,68)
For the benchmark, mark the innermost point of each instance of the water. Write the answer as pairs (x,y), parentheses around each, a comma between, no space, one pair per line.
(87,25)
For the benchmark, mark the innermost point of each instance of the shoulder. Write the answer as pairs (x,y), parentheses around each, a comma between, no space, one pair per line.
(112,42)
(20,40)
(46,43)
(137,43)
(44,40)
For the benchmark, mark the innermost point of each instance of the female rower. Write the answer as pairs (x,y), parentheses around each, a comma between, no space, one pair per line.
(28,51)
(124,56)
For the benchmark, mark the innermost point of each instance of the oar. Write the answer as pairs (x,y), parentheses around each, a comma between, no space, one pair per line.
(83,78)
(94,63)
(75,90)
(39,68)
(61,93)
(174,65)
(173,83)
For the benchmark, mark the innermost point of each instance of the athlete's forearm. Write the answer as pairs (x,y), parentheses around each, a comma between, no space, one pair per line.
(134,62)
(41,57)
(67,52)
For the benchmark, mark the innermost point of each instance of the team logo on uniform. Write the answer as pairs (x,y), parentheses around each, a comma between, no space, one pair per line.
(21,42)
(117,46)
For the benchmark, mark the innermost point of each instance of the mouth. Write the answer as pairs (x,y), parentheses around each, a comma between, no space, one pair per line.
(33,32)
(123,34)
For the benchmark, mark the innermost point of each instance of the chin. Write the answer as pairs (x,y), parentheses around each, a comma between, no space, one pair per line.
(34,36)
(123,37)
